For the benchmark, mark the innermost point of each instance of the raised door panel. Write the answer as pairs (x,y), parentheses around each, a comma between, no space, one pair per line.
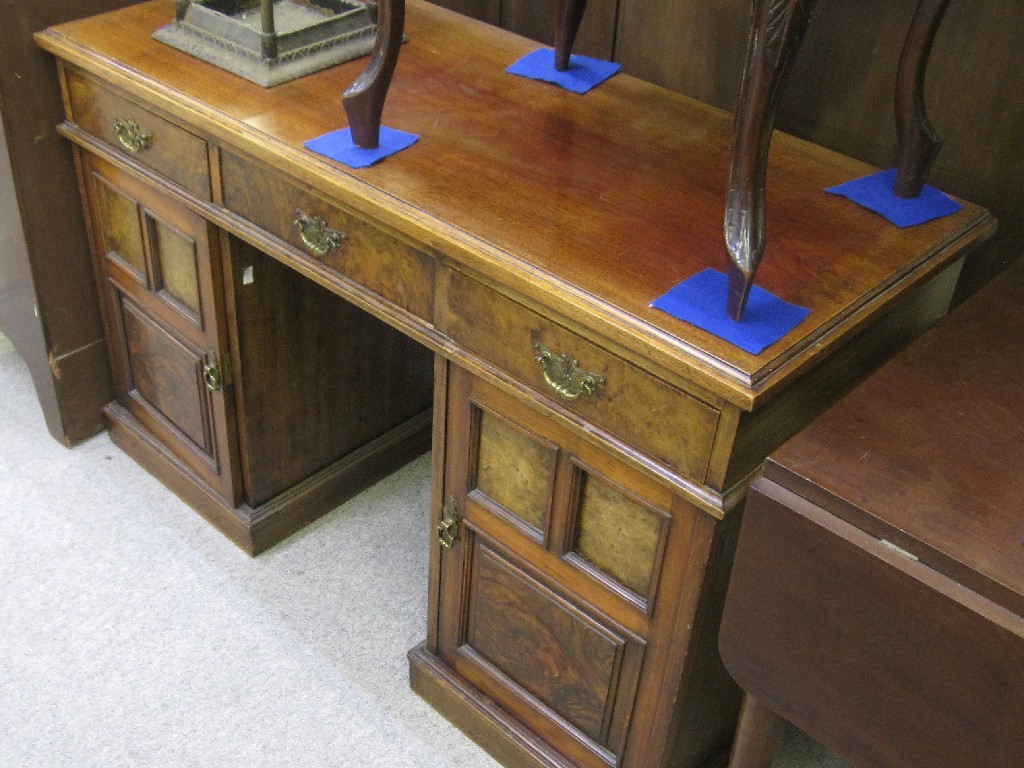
(618,536)
(165,381)
(558,665)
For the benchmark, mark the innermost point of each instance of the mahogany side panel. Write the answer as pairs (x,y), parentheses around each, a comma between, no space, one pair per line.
(49,307)
(317,376)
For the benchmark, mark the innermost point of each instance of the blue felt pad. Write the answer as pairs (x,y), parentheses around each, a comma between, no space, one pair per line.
(338,145)
(701,301)
(875,193)
(582,75)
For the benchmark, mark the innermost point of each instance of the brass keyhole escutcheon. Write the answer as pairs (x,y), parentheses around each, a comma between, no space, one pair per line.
(448,530)
(212,377)
(132,137)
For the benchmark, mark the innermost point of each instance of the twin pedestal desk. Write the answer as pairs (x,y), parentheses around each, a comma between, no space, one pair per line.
(281,329)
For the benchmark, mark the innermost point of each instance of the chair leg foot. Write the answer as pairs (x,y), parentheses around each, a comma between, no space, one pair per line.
(364,99)
(776,31)
(568,16)
(919,143)
(757,735)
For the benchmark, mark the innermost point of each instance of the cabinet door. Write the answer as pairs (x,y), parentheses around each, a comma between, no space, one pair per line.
(548,589)
(160,287)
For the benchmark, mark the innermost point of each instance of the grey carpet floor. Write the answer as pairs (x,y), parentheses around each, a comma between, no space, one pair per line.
(133,634)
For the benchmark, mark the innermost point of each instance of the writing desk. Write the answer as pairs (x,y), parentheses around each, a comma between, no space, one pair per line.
(270,314)
(877,599)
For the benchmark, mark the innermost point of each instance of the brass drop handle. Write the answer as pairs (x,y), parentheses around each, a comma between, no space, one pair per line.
(563,375)
(316,235)
(132,137)
(448,530)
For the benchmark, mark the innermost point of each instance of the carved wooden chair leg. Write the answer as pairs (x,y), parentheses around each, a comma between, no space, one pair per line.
(777,29)
(568,16)
(757,735)
(364,99)
(919,144)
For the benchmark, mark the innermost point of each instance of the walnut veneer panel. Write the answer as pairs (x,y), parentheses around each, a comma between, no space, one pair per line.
(544,644)
(617,535)
(514,469)
(120,227)
(167,376)
(176,268)
(672,426)
(173,151)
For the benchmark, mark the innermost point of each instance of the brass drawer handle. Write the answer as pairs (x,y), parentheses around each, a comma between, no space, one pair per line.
(316,235)
(563,376)
(132,137)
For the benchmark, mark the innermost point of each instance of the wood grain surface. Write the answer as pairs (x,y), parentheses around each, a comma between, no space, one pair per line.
(565,199)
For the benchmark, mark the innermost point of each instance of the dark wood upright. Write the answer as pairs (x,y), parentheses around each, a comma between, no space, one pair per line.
(48,304)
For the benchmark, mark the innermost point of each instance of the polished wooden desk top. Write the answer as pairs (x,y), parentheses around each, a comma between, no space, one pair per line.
(928,453)
(589,206)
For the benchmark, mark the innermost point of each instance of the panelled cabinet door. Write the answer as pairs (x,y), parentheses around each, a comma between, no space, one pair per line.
(160,284)
(549,572)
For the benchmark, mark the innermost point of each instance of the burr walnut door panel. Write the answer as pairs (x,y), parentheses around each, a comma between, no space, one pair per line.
(158,283)
(552,554)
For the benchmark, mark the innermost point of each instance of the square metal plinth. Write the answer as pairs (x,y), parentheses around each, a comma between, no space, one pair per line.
(308,35)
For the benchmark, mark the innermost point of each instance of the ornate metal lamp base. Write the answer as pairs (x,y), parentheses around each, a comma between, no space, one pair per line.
(310,35)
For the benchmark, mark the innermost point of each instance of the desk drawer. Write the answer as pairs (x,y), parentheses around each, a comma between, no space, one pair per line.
(359,251)
(668,424)
(136,132)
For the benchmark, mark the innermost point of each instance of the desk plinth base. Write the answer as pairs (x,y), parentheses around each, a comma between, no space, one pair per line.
(499,734)
(257,529)
(502,736)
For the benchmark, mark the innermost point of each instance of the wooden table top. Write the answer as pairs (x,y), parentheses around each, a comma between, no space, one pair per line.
(928,452)
(591,205)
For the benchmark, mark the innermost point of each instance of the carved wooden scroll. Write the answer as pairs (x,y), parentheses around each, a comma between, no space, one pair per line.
(777,29)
